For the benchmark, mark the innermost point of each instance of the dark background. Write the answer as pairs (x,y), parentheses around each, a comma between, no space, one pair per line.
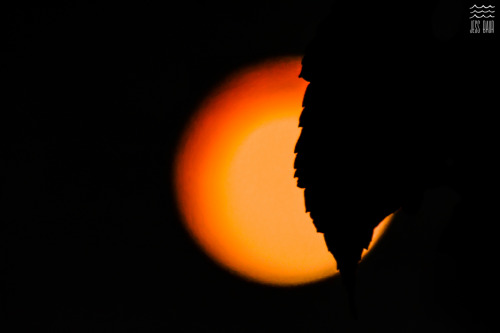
(94,99)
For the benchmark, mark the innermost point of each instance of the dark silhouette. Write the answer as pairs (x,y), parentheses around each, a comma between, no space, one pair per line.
(394,107)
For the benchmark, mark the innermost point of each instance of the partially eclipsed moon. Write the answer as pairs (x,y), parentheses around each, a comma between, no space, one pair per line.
(234,179)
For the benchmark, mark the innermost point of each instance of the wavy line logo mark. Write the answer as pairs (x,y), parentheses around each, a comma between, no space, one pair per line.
(482,11)
(482,19)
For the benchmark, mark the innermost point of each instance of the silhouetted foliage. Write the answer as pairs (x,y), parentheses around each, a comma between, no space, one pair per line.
(397,103)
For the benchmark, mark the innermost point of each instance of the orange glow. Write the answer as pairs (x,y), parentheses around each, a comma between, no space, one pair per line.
(234,179)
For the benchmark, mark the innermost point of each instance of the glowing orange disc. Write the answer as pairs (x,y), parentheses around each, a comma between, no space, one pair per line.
(234,179)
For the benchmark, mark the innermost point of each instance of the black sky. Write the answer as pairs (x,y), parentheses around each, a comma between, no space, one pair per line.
(95,98)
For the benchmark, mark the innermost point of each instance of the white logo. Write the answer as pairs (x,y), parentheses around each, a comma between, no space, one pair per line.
(487,24)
